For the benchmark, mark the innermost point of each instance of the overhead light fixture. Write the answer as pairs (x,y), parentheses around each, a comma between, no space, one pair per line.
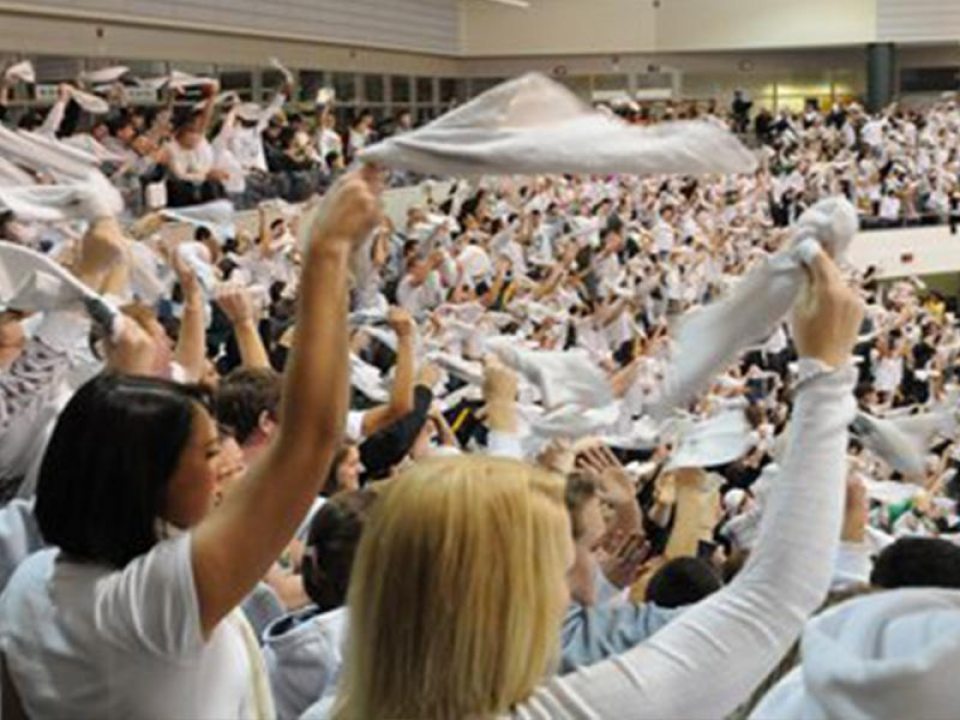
(525,4)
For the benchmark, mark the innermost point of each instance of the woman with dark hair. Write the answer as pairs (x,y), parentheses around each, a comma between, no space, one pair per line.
(133,611)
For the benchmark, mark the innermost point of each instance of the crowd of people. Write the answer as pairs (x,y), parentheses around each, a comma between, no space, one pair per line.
(198,144)
(352,466)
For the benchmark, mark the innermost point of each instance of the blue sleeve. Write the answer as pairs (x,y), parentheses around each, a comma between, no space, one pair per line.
(591,634)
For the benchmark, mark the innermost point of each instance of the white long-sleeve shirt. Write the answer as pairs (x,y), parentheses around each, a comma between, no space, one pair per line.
(706,662)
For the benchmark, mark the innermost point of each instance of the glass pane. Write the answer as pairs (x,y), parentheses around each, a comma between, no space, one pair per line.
(344,86)
(310,82)
(373,88)
(424,90)
(610,82)
(344,115)
(400,88)
(452,91)
(480,85)
(236,80)
(56,68)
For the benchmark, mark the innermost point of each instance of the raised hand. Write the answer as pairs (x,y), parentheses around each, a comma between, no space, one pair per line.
(623,563)
(236,303)
(400,322)
(826,321)
(349,212)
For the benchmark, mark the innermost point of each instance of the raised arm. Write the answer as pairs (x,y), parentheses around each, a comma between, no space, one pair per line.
(709,660)
(233,548)
(401,394)
(275,106)
(237,305)
(54,119)
(210,91)
(191,350)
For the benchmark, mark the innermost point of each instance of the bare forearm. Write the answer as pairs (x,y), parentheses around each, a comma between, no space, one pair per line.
(401,395)
(252,352)
(318,368)
(236,545)
(191,343)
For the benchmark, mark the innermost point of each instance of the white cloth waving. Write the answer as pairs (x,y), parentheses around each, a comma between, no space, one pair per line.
(532,125)
(710,338)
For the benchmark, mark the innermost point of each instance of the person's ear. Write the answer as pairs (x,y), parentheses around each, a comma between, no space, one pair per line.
(266,423)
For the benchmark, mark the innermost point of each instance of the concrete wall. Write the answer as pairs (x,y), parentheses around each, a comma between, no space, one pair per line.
(684,25)
(557,27)
(618,26)
(33,33)
(422,25)
(918,20)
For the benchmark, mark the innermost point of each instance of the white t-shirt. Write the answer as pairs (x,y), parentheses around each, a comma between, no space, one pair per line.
(890,208)
(193,164)
(663,236)
(418,299)
(85,640)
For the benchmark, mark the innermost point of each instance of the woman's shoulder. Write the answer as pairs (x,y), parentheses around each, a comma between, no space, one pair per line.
(27,580)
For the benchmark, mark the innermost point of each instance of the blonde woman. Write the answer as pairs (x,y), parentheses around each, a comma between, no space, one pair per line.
(459,585)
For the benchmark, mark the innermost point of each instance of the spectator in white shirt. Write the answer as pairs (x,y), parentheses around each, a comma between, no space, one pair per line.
(193,177)
(142,584)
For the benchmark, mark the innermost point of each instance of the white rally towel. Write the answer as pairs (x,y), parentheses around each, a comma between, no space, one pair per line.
(282,69)
(532,125)
(176,79)
(28,151)
(90,200)
(90,103)
(20,72)
(714,441)
(218,216)
(564,378)
(903,442)
(103,76)
(708,339)
(11,175)
(32,282)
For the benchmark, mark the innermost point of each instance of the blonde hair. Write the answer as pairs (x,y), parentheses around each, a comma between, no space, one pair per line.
(458,591)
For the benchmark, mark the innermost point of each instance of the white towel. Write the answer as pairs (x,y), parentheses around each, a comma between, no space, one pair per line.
(532,125)
(283,69)
(89,200)
(89,145)
(21,72)
(105,75)
(708,339)
(366,378)
(11,175)
(903,442)
(176,79)
(218,216)
(89,102)
(890,492)
(643,434)
(572,421)
(70,151)
(715,441)
(26,150)
(466,370)
(564,378)
(31,282)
